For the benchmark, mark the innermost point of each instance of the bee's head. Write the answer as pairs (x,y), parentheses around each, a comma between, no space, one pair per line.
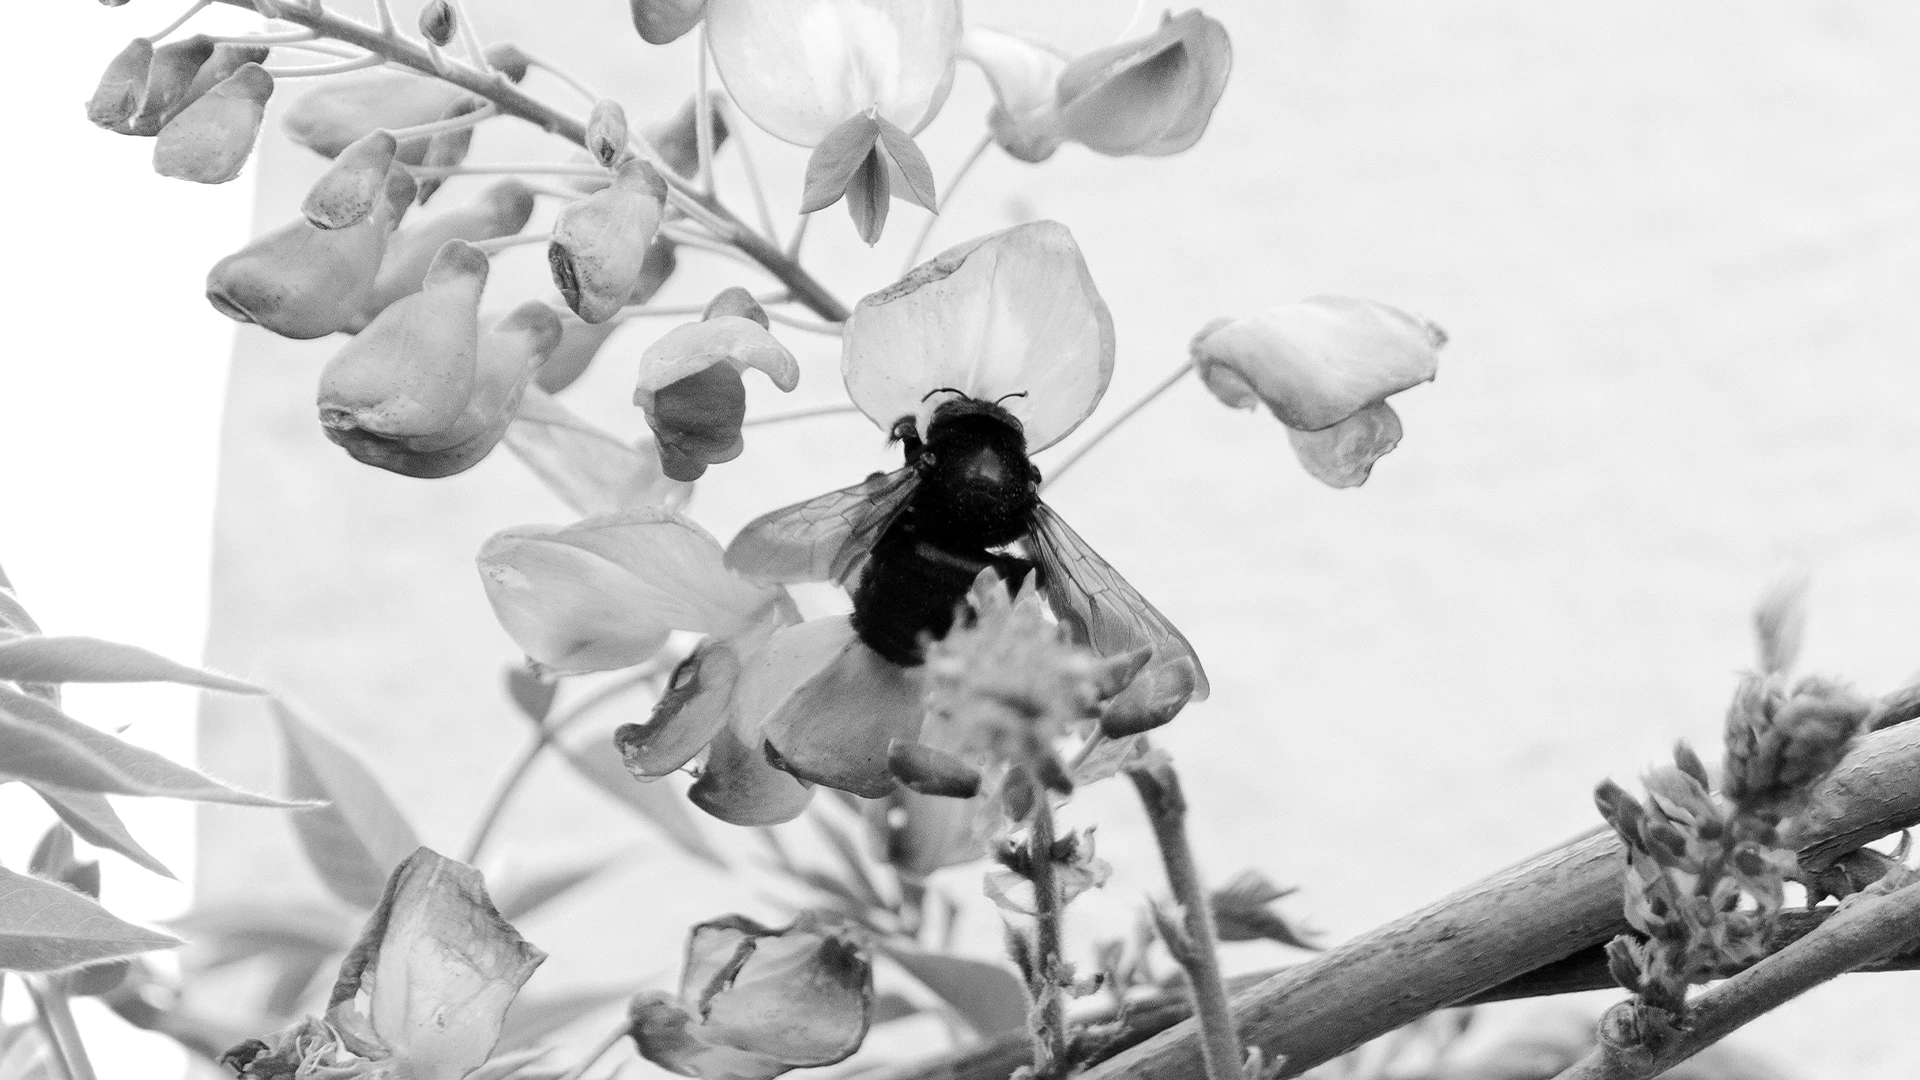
(961,410)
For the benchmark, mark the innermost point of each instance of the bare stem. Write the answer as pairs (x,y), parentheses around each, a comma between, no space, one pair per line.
(356,64)
(194,9)
(759,189)
(1049,962)
(594,1055)
(1126,414)
(56,1024)
(703,119)
(501,243)
(809,325)
(513,101)
(1166,805)
(946,196)
(452,123)
(798,414)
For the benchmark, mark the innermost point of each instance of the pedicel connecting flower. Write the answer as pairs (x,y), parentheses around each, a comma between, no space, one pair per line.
(755,1002)
(422,995)
(690,386)
(1325,366)
(1152,96)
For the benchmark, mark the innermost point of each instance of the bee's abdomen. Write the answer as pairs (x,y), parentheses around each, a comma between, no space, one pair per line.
(912,588)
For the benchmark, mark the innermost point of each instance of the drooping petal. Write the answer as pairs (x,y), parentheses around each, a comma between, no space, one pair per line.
(798,68)
(599,244)
(739,787)
(1023,73)
(604,593)
(1151,96)
(1013,312)
(210,140)
(835,728)
(171,79)
(1343,455)
(439,968)
(1318,361)
(664,1032)
(690,387)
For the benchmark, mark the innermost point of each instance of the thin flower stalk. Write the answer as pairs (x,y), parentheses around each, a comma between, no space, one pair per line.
(454,123)
(703,118)
(754,184)
(505,242)
(312,70)
(1049,976)
(600,1049)
(1126,414)
(946,196)
(193,9)
(797,414)
(55,1017)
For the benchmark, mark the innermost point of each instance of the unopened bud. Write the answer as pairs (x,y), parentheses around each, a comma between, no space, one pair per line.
(500,210)
(607,132)
(509,59)
(677,139)
(734,300)
(1774,762)
(448,148)
(437,22)
(930,771)
(117,97)
(661,21)
(345,194)
(170,84)
(211,139)
(1154,696)
(600,242)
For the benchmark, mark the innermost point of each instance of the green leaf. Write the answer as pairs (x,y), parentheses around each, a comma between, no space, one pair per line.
(36,658)
(834,162)
(912,164)
(519,897)
(42,745)
(658,802)
(355,840)
(869,195)
(93,819)
(45,927)
(989,997)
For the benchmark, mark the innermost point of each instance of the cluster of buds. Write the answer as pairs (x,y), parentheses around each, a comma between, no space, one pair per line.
(200,102)
(1705,871)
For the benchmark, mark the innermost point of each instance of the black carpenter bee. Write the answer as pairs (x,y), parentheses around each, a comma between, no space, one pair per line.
(913,541)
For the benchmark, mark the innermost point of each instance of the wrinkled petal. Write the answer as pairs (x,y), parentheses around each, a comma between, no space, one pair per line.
(411,372)
(1013,312)
(1023,74)
(438,967)
(1151,96)
(588,469)
(1318,361)
(599,244)
(798,68)
(835,727)
(738,786)
(802,996)
(210,140)
(663,1031)
(604,593)
(698,701)
(500,210)
(1343,455)
(305,282)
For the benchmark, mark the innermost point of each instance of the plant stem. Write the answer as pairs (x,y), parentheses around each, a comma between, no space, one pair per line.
(594,1055)
(1166,805)
(798,414)
(758,189)
(703,119)
(56,1024)
(454,123)
(513,101)
(946,196)
(1050,1036)
(358,63)
(1865,928)
(176,24)
(1126,414)
(809,325)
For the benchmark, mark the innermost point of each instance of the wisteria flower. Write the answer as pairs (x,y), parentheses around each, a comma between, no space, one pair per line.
(1325,366)
(1151,96)
(756,1002)
(422,995)
(691,388)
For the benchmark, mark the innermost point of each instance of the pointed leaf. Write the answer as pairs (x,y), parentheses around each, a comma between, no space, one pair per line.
(833,163)
(912,163)
(42,745)
(988,996)
(94,820)
(83,659)
(356,840)
(46,927)
(869,196)
(516,898)
(658,802)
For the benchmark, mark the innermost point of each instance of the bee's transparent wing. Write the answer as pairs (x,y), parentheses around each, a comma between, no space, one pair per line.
(826,538)
(1097,605)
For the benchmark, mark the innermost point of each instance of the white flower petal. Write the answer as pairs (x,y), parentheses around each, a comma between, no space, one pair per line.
(798,68)
(1341,456)
(1013,312)
(722,339)
(604,593)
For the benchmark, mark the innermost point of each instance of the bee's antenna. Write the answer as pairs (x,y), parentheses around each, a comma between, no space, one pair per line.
(1003,397)
(943,390)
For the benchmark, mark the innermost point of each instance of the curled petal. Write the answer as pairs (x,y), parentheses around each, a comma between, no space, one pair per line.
(1014,312)
(346,193)
(1151,96)
(411,372)
(739,787)
(798,68)
(1342,456)
(662,21)
(692,710)
(607,133)
(210,140)
(691,391)
(599,244)
(1318,361)
(604,593)
(303,282)
(1022,73)
(500,210)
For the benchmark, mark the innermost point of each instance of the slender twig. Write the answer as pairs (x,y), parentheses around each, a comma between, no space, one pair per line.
(289,37)
(680,233)
(507,169)
(1196,949)
(56,1023)
(452,123)
(798,414)
(1049,961)
(562,74)
(513,101)
(758,189)
(599,1051)
(470,36)
(799,234)
(1125,415)
(195,9)
(384,13)
(809,325)
(311,70)
(946,196)
(502,243)
(703,119)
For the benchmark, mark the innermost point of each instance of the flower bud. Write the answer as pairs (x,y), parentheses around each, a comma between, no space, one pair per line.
(437,22)
(210,140)
(303,282)
(607,132)
(690,386)
(580,341)
(117,97)
(501,210)
(930,771)
(170,84)
(1151,96)
(345,193)
(1023,120)
(662,21)
(1774,761)
(600,242)
(411,372)
(344,109)
(677,138)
